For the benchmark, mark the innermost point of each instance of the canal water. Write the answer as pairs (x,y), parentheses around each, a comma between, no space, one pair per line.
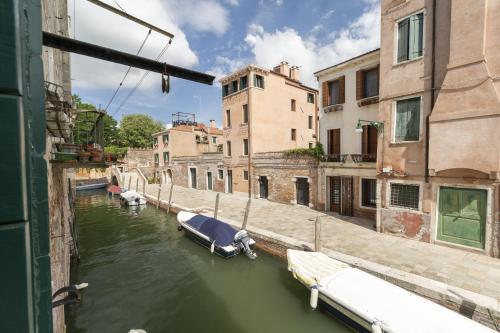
(143,273)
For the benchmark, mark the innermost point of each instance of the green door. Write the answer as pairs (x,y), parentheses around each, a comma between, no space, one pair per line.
(462,216)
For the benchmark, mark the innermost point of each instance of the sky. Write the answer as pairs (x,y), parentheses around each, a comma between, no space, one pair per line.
(215,37)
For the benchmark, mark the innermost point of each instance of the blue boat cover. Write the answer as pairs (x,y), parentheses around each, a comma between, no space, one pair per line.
(218,231)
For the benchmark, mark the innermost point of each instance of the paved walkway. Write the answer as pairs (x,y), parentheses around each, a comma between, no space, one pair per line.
(469,271)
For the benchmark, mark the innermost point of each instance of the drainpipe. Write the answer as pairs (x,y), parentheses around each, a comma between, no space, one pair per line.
(249,142)
(433,66)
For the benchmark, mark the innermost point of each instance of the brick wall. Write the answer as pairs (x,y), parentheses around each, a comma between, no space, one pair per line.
(139,158)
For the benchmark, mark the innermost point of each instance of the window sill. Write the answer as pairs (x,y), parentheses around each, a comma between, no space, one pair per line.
(402,63)
(234,93)
(405,209)
(368,101)
(333,108)
(367,207)
(405,142)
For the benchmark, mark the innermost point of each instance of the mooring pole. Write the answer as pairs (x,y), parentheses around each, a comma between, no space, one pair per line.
(170,197)
(143,186)
(129,181)
(158,199)
(317,235)
(247,211)
(216,210)
(137,184)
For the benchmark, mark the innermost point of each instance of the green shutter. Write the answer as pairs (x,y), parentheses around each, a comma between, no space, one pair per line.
(403,30)
(407,120)
(416,36)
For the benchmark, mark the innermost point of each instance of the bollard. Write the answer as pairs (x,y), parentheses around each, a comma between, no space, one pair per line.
(158,200)
(129,181)
(247,211)
(317,235)
(170,197)
(216,205)
(137,184)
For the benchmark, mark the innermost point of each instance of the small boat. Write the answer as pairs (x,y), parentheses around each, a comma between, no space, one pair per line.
(369,304)
(216,235)
(83,186)
(132,198)
(114,189)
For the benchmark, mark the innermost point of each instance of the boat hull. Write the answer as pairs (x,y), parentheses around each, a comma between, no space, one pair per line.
(207,244)
(91,186)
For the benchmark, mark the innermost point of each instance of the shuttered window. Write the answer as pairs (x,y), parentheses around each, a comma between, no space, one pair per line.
(333,91)
(243,82)
(228,118)
(407,126)
(294,134)
(369,193)
(405,195)
(369,140)
(334,141)
(157,158)
(370,83)
(245,114)
(166,156)
(228,145)
(245,147)
(258,81)
(410,37)
(310,122)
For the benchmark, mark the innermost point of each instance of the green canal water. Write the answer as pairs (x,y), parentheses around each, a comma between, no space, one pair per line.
(143,273)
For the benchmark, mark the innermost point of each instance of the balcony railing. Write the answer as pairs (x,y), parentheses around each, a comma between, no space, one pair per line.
(339,158)
(360,158)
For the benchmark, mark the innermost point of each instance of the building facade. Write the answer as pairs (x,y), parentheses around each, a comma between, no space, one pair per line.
(349,98)
(264,111)
(438,158)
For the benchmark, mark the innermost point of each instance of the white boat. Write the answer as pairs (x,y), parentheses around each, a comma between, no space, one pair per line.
(369,304)
(216,235)
(90,186)
(132,198)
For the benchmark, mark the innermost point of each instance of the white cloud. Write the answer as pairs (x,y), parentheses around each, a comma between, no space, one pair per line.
(269,48)
(201,15)
(233,2)
(279,2)
(224,66)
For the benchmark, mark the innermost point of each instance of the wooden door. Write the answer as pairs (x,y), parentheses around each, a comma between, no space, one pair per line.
(347,196)
(335,195)
(302,191)
(462,216)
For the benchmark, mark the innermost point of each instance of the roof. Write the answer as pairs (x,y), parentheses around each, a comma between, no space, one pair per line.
(347,61)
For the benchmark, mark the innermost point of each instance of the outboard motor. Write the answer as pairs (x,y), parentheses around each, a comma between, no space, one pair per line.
(243,240)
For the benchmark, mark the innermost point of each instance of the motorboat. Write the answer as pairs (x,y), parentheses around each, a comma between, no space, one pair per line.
(95,186)
(132,198)
(218,236)
(369,304)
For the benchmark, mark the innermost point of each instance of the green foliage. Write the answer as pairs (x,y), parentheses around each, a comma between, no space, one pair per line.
(316,152)
(118,151)
(137,130)
(111,131)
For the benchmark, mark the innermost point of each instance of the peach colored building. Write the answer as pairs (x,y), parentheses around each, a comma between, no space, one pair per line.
(264,111)
(349,95)
(439,154)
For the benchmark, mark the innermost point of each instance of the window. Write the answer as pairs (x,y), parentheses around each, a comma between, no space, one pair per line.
(245,174)
(166,156)
(258,81)
(310,98)
(155,142)
(225,90)
(214,140)
(368,193)
(198,138)
(228,145)
(310,145)
(310,122)
(369,143)
(370,83)
(333,141)
(334,92)
(228,118)
(243,82)
(294,134)
(245,114)
(165,138)
(234,86)
(245,147)
(157,158)
(293,105)
(410,37)
(405,195)
(220,174)
(407,123)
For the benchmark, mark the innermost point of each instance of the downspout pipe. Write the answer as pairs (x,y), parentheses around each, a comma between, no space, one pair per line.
(249,111)
(433,87)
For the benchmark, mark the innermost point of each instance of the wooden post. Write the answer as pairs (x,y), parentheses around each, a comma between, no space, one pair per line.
(129,181)
(170,197)
(158,200)
(247,211)
(137,184)
(216,210)
(144,186)
(317,235)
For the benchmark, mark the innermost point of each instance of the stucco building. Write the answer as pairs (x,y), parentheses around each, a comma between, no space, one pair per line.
(266,111)
(349,98)
(439,155)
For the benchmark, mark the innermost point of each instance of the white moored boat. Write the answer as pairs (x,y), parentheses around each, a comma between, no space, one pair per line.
(132,198)
(369,304)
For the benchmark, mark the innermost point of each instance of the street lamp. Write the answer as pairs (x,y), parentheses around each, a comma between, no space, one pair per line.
(377,124)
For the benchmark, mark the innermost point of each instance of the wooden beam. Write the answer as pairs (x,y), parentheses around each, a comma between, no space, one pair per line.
(131,18)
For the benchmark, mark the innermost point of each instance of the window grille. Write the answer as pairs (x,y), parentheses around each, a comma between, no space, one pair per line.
(405,195)
(369,193)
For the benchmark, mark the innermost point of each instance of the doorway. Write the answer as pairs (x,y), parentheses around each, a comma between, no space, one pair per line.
(341,195)
(302,186)
(192,172)
(209,181)
(263,187)
(229,181)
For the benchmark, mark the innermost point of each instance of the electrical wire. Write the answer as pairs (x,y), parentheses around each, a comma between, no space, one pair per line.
(120,6)
(142,79)
(126,73)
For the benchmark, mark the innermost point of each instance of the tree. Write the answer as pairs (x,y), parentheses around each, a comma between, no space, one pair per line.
(137,130)
(111,131)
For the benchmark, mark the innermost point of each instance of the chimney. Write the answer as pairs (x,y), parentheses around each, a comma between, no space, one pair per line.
(282,68)
(212,123)
(295,73)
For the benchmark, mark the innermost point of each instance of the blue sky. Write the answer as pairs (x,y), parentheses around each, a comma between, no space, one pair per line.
(218,37)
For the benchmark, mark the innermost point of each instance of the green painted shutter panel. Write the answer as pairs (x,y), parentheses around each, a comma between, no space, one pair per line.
(403,29)
(416,36)
(407,120)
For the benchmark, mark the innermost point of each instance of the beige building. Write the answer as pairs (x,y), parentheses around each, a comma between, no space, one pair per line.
(182,144)
(349,98)
(265,111)
(439,155)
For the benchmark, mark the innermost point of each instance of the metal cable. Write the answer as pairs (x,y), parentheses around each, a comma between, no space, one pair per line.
(126,73)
